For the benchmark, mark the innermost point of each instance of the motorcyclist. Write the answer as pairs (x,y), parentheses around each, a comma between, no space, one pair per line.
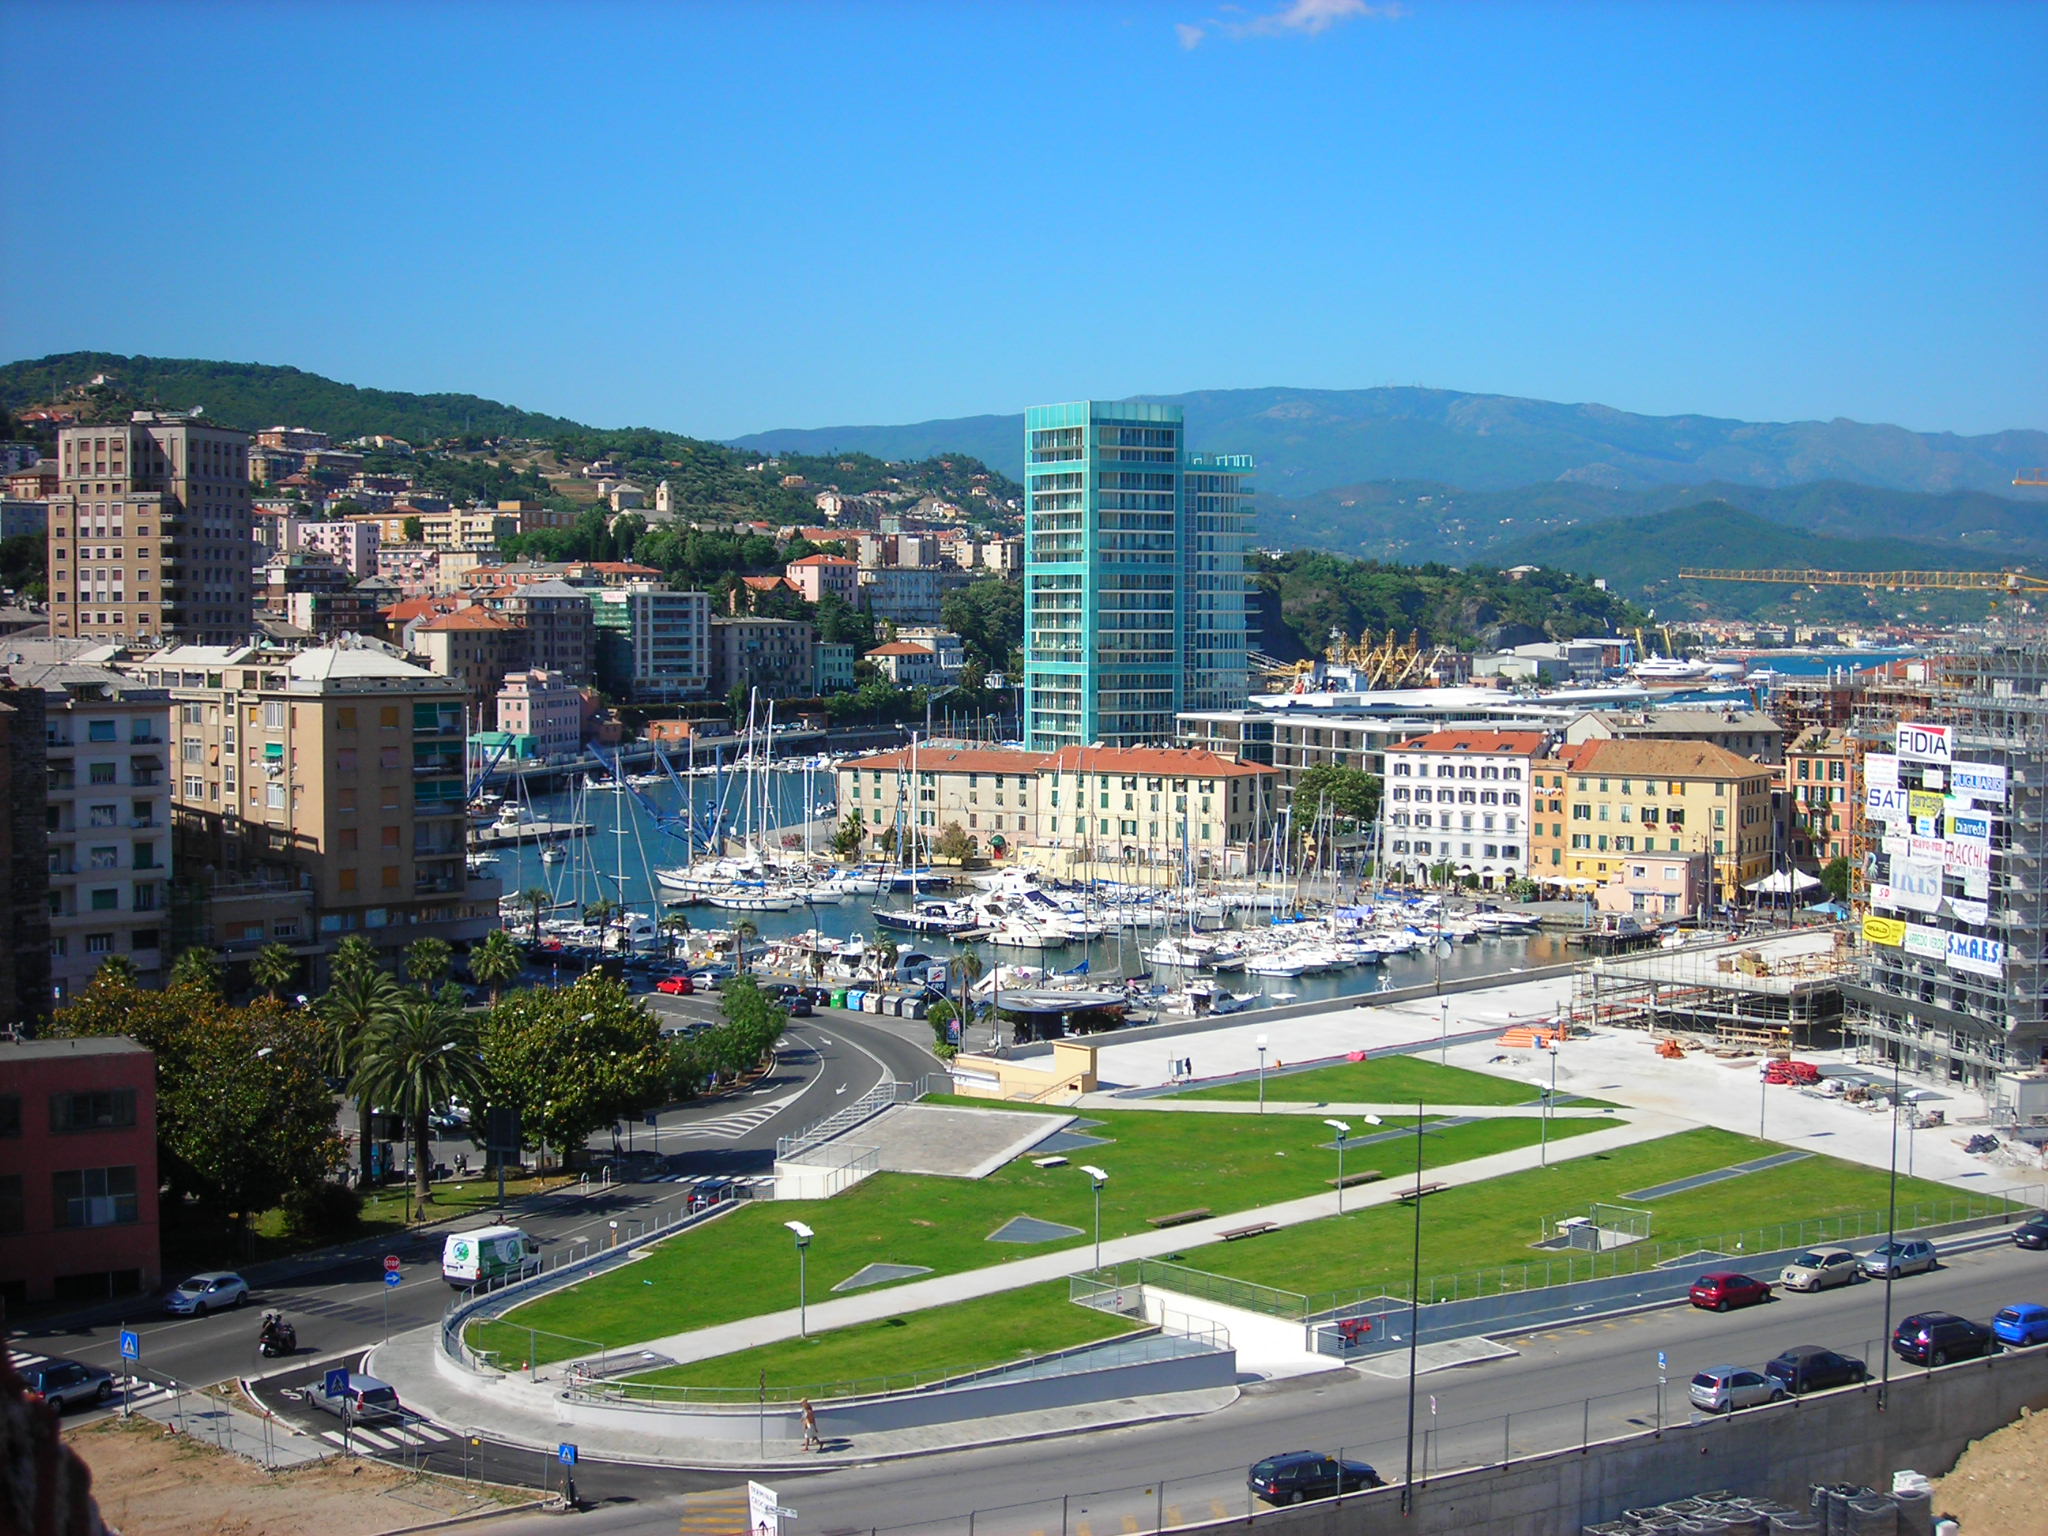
(277,1337)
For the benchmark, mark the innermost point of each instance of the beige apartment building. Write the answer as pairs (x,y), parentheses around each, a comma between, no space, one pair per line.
(108,810)
(151,532)
(1094,805)
(1598,803)
(320,794)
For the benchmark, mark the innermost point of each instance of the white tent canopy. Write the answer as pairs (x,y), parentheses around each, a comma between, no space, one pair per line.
(1781,881)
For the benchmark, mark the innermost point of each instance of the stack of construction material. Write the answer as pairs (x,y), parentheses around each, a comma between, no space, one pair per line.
(1834,1509)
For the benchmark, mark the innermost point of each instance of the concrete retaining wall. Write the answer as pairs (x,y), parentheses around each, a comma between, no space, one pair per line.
(910,1410)
(1777,1452)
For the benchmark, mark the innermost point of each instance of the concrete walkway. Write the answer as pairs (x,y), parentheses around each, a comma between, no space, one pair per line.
(526,1412)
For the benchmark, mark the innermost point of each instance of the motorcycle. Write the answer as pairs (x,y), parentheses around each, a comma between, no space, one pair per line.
(276,1337)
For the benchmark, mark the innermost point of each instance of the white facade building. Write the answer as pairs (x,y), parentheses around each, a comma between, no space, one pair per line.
(1459,798)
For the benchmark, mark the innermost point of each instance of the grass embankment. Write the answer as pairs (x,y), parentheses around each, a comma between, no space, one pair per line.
(1493,1224)
(1384,1080)
(1159,1163)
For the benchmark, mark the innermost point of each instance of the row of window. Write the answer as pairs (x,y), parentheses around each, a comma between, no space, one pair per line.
(1401,769)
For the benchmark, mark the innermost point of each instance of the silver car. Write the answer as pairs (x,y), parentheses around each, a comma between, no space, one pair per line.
(1724,1388)
(214,1291)
(1819,1268)
(1903,1256)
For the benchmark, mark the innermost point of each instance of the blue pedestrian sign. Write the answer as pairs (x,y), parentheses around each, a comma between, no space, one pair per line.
(131,1344)
(565,1453)
(393,1277)
(1662,1363)
(336,1384)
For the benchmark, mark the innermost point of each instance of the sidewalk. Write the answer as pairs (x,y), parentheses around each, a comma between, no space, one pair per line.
(270,1443)
(526,1412)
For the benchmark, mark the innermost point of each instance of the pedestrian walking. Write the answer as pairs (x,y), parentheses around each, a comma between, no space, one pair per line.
(811,1440)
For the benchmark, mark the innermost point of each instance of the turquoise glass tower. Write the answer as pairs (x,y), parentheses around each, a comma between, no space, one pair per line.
(1134,584)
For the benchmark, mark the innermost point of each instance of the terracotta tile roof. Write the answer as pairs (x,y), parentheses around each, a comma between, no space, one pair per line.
(825,560)
(420,607)
(1517,743)
(1666,760)
(902,648)
(469,618)
(765,583)
(1175,762)
(956,760)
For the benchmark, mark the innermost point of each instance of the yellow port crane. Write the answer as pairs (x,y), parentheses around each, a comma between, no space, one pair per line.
(2031,477)
(2014,582)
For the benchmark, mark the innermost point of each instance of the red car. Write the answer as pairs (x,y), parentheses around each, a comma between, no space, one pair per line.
(675,986)
(1724,1288)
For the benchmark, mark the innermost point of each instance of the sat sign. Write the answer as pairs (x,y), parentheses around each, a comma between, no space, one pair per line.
(1925,743)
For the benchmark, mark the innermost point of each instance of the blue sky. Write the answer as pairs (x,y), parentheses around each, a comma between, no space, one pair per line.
(725,218)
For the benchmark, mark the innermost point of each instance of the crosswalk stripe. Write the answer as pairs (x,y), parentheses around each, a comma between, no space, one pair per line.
(373,1437)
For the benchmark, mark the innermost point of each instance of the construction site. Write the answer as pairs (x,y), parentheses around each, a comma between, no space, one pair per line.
(1783,991)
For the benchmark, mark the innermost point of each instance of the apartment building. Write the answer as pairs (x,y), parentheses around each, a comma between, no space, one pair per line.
(316,795)
(351,541)
(835,668)
(653,645)
(815,575)
(449,528)
(1100,805)
(1460,800)
(908,664)
(1599,802)
(108,817)
(78,1171)
(151,536)
(476,648)
(905,594)
(1752,733)
(777,656)
(561,635)
(1824,787)
(24,860)
(544,707)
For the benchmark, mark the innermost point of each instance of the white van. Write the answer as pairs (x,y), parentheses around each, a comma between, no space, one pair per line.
(488,1256)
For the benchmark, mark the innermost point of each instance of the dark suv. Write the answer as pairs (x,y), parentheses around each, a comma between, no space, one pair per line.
(1809,1368)
(1935,1338)
(1297,1475)
(2033,1232)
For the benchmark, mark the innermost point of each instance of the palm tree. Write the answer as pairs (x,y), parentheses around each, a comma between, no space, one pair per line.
(197,967)
(536,900)
(273,968)
(742,931)
(354,1009)
(428,962)
(673,924)
(496,961)
(354,955)
(116,970)
(419,1058)
(971,968)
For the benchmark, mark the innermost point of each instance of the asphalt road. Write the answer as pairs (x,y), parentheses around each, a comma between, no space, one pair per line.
(1597,1379)
(823,1063)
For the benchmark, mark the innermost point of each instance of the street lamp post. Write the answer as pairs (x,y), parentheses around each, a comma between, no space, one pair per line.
(1549,1092)
(1097,1179)
(1443,1028)
(1414,1319)
(1342,1131)
(1261,1043)
(803,1243)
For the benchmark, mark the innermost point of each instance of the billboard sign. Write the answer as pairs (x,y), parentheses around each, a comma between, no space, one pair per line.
(1926,744)
(1889,931)
(1928,943)
(1969,827)
(1881,769)
(1888,804)
(1980,957)
(1982,782)
(1966,856)
(1915,886)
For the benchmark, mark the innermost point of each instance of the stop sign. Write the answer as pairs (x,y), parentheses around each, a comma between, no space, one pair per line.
(391,1263)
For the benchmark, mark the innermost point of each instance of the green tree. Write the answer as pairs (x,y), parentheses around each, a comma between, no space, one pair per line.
(412,530)
(742,931)
(988,616)
(536,899)
(274,968)
(671,925)
(942,1016)
(418,1058)
(495,961)
(197,967)
(601,914)
(852,832)
(953,843)
(117,969)
(572,1059)
(1350,794)
(1834,878)
(359,1003)
(428,962)
(353,956)
(736,705)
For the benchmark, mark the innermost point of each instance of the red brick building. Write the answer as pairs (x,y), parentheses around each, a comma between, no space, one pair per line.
(78,1174)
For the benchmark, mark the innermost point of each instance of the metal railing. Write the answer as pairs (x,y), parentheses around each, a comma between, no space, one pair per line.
(883,1095)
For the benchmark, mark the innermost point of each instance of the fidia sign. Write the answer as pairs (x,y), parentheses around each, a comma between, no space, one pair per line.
(1925,743)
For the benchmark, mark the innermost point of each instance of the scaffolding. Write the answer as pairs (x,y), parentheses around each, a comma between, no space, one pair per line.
(1778,993)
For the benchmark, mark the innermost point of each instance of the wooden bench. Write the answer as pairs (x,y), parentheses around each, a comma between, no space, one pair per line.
(1349,1179)
(1420,1190)
(1253,1230)
(1178,1218)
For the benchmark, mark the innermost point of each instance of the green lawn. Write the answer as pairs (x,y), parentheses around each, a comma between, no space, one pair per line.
(744,1264)
(913,1348)
(1493,1224)
(1383,1080)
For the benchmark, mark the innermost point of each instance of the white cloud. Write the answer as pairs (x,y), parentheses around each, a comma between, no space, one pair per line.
(1297,18)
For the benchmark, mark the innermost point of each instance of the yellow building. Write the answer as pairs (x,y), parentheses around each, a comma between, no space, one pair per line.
(1599,802)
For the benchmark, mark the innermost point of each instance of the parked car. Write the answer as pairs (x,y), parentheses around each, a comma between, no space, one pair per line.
(214,1291)
(1810,1368)
(797,1006)
(1725,1388)
(64,1383)
(1904,1256)
(1935,1338)
(1295,1476)
(2033,1232)
(676,986)
(1820,1268)
(2024,1323)
(714,1192)
(1720,1289)
(361,1398)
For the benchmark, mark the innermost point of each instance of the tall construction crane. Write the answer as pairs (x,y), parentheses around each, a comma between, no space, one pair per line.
(2017,582)
(2031,477)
